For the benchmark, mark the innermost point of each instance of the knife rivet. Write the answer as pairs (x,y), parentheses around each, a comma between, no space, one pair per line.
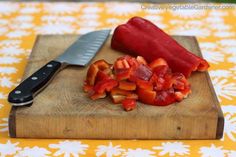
(17,92)
(34,78)
(49,65)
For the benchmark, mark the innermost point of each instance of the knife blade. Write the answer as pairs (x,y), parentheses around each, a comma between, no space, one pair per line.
(79,53)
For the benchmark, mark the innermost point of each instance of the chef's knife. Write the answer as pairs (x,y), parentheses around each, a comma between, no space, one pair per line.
(79,53)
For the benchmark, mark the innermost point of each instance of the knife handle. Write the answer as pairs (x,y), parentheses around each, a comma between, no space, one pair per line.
(23,94)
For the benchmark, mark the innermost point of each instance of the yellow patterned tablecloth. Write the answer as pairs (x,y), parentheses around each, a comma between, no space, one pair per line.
(216,32)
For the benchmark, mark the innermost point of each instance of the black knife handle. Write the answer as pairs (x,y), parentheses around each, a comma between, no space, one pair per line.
(23,94)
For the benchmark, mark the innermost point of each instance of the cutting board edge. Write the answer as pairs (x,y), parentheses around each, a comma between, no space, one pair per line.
(13,132)
(220,120)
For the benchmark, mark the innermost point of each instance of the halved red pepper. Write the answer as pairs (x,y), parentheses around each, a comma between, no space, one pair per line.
(141,37)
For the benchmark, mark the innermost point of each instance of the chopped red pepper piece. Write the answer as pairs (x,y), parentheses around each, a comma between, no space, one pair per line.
(141,72)
(105,85)
(125,85)
(146,96)
(117,91)
(158,62)
(144,84)
(122,74)
(125,64)
(91,74)
(179,96)
(96,96)
(179,81)
(141,60)
(119,64)
(119,98)
(87,87)
(118,95)
(165,97)
(116,99)
(132,96)
(129,104)
(154,43)
(102,64)
(101,76)
(161,70)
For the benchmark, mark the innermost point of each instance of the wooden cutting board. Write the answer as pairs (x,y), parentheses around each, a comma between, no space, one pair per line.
(63,110)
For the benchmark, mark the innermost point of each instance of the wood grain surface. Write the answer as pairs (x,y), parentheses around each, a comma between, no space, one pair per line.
(63,110)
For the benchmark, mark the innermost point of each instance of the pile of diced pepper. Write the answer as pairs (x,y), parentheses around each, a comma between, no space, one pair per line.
(160,82)
(130,79)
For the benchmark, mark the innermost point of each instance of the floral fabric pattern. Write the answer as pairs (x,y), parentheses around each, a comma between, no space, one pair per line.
(215,29)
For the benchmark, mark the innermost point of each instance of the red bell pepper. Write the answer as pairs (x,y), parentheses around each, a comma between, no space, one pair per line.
(141,37)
